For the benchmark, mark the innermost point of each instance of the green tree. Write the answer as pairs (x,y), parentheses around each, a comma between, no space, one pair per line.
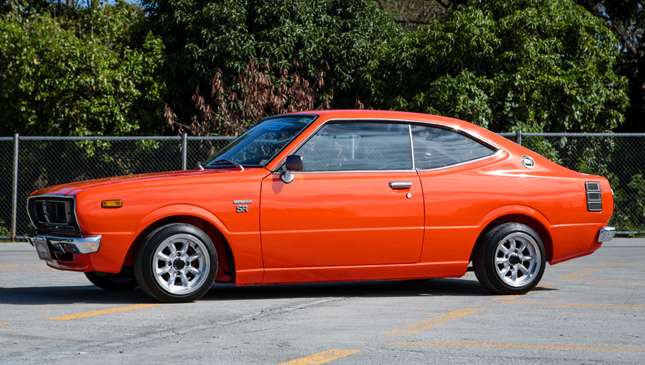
(331,44)
(536,65)
(626,19)
(94,72)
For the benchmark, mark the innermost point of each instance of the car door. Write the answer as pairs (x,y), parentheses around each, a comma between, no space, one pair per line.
(358,200)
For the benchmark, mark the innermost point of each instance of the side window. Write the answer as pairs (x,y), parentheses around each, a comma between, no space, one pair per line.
(350,146)
(438,147)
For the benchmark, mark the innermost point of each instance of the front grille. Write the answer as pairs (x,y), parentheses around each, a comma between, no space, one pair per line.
(594,196)
(53,215)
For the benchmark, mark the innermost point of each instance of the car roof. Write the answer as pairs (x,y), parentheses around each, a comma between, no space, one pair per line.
(454,123)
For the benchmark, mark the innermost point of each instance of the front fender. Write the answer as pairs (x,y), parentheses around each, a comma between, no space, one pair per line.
(180,210)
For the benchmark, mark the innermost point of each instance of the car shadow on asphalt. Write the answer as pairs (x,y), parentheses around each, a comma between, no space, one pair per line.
(226,292)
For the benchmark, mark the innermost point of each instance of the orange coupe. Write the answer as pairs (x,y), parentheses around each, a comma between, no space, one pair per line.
(330,196)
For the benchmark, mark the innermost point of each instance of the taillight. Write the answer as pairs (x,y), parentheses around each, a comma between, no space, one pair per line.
(594,196)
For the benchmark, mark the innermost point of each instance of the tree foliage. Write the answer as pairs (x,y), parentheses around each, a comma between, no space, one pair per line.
(92,72)
(330,44)
(626,19)
(534,65)
(216,66)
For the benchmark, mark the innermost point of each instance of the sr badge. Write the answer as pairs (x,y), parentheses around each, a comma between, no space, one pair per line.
(242,206)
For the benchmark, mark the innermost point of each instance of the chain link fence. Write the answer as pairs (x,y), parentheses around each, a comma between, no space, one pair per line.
(45,161)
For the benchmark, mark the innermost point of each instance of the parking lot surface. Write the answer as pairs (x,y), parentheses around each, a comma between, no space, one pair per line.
(589,310)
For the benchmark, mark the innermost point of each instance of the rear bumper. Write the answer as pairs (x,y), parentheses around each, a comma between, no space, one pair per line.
(606,234)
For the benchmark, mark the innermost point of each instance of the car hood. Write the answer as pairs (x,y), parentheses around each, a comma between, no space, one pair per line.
(72,189)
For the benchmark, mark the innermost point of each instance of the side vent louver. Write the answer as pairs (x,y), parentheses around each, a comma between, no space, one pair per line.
(594,196)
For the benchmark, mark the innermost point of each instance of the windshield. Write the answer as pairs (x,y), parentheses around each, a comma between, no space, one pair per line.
(261,143)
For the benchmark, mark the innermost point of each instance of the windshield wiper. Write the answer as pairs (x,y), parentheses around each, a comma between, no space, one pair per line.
(224,162)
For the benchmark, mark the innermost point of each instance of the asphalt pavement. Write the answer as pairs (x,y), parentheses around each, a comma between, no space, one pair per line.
(589,310)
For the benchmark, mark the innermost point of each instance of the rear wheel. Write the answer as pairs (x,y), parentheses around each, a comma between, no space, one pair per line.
(510,259)
(123,281)
(176,263)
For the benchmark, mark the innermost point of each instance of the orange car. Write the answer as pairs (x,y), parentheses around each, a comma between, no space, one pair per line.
(330,196)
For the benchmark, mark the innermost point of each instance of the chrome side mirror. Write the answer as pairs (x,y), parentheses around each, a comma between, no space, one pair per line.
(294,163)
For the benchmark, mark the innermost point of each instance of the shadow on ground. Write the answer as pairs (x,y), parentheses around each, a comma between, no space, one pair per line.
(227,292)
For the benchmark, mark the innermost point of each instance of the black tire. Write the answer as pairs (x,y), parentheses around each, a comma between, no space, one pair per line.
(123,281)
(144,255)
(486,253)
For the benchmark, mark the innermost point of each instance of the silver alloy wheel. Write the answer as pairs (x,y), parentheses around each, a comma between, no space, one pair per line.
(180,264)
(517,259)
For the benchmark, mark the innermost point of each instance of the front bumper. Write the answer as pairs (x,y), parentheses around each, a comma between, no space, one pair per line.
(65,245)
(606,234)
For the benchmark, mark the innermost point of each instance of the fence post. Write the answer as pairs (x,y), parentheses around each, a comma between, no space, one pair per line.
(184,151)
(518,137)
(14,188)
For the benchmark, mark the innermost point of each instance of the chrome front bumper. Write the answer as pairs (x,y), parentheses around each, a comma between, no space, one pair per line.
(76,245)
(606,234)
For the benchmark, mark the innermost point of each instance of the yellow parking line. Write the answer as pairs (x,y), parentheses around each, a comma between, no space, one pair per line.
(614,282)
(323,357)
(596,305)
(7,267)
(101,312)
(580,274)
(582,305)
(521,346)
(429,323)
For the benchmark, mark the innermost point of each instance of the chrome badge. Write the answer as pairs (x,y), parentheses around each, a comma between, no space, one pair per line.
(528,162)
(242,206)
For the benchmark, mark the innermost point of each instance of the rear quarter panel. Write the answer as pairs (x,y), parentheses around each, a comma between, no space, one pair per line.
(462,201)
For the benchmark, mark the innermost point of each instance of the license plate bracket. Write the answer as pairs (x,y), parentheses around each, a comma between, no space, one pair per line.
(42,248)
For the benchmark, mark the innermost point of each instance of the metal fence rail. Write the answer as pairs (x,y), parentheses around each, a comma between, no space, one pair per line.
(28,163)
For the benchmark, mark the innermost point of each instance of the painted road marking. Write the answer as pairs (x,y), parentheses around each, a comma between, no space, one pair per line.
(472,344)
(582,305)
(102,312)
(580,274)
(17,268)
(614,282)
(430,323)
(323,357)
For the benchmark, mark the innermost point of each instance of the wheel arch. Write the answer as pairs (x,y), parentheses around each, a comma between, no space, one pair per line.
(213,228)
(519,214)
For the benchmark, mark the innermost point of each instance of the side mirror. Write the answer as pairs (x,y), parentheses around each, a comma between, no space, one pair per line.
(294,163)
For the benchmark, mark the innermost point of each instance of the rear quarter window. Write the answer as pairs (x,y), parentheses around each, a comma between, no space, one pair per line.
(436,147)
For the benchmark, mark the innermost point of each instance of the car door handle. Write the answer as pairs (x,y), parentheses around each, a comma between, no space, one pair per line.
(400,185)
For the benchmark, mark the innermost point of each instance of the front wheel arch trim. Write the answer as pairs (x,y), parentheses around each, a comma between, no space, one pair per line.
(206,221)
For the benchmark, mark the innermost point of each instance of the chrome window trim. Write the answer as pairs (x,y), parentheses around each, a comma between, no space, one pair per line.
(409,122)
(347,171)
(414,164)
(59,196)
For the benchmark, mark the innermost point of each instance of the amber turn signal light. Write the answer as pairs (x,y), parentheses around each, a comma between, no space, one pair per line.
(112,203)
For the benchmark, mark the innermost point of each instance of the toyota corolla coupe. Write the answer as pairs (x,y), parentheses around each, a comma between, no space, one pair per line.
(328,196)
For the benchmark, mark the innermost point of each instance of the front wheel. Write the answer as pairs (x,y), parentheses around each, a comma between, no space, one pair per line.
(176,263)
(510,259)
